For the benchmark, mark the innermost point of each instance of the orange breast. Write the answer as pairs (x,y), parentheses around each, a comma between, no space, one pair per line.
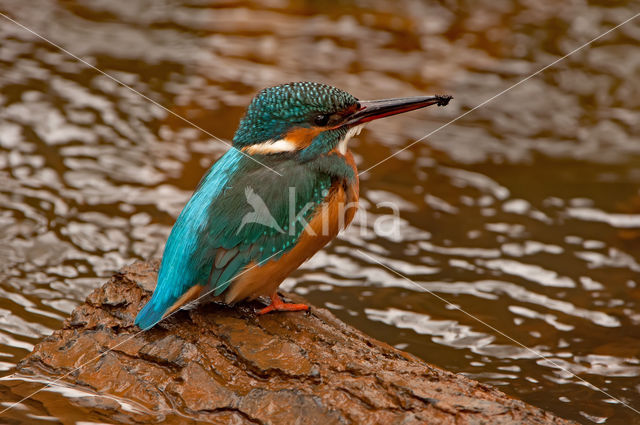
(333,215)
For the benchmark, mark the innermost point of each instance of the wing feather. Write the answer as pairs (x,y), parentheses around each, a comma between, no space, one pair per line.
(178,271)
(268,234)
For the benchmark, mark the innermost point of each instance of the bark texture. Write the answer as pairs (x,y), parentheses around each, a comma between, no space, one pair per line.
(217,364)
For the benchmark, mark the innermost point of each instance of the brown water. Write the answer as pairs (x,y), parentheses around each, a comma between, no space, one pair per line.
(524,213)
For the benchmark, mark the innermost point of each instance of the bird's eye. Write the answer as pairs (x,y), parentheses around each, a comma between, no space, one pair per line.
(321,120)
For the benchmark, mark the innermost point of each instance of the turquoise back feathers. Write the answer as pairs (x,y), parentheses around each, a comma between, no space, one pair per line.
(180,265)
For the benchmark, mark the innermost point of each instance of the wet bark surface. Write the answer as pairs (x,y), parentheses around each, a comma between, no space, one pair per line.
(218,364)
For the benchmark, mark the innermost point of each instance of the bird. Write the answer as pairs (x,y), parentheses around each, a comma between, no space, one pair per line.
(286,187)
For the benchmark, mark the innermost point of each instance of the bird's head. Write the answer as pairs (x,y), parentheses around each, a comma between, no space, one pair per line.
(311,119)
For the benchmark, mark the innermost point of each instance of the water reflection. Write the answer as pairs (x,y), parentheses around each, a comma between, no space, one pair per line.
(524,213)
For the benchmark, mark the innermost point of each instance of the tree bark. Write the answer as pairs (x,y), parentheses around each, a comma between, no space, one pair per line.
(220,364)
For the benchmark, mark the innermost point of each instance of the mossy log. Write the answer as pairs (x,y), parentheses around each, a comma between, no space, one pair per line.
(221,364)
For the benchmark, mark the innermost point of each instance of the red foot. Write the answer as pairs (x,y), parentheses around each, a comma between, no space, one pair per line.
(278,305)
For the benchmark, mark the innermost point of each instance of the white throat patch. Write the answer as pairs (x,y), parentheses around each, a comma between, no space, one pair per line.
(276,146)
(353,131)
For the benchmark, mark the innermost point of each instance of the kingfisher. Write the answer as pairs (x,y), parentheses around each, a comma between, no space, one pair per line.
(287,187)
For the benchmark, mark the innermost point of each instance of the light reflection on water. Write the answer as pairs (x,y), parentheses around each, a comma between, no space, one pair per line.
(525,213)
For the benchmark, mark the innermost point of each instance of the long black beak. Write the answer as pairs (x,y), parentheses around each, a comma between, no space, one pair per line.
(373,109)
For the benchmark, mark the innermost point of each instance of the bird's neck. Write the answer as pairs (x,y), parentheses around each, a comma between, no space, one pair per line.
(340,166)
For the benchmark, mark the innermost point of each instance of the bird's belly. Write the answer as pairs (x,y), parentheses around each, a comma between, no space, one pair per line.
(333,215)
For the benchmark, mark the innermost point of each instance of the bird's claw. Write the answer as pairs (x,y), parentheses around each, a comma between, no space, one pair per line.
(278,305)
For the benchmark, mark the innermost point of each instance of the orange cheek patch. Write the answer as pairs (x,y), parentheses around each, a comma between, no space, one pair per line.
(297,139)
(302,136)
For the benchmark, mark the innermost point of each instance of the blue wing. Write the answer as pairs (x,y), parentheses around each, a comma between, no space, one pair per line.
(177,272)
(259,219)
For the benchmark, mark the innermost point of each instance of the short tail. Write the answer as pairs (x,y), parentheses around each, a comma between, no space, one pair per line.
(149,315)
(162,305)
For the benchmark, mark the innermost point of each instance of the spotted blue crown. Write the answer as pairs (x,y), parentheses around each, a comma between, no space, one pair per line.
(274,110)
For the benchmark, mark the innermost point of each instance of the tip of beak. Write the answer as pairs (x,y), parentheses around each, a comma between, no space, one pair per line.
(443,99)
